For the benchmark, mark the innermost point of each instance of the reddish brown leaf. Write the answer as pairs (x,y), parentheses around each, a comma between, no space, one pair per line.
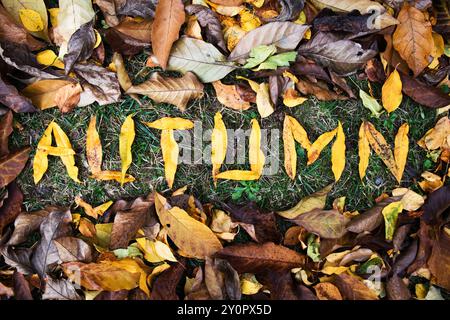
(5,131)
(12,165)
(164,287)
(12,206)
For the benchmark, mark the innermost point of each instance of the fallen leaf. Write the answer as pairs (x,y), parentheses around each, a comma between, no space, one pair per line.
(165,285)
(390,214)
(43,93)
(328,224)
(338,153)
(363,151)
(80,46)
(392,92)
(62,140)
(353,289)
(126,139)
(169,123)
(12,165)
(229,96)
(94,153)
(169,16)
(6,129)
(401,150)
(256,155)
(290,153)
(327,291)
(317,146)
(219,142)
(428,96)
(177,91)
(170,151)
(10,97)
(12,206)
(370,103)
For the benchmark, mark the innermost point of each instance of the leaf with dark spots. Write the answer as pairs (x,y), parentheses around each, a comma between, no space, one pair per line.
(12,206)
(80,47)
(128,222)
(165,285)
(371,219)
(342,56)
(436,204)
(21,287)
(290,9)
(396,289)
(138,8)
(210,23)
(99,84)
(328,224)
(5,131)
(261,258)
(423,94)
(352,22)
(10,97)
(439,261)
(54,226)
(352,288)
(12,165)
(264,223)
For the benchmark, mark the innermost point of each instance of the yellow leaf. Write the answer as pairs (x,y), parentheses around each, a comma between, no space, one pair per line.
(168,123)
(380,146)
(438,50)
(49,58)
(62,140)
(53,13)
(249,20)
(292,99)
(93,147)
(249,284)
(40,162)
(57,151)
(98,39)
(135,266)
(126,139)
(318,145)
(290,154)
(392,92)
(263,101)
(219,141)
(86,206)
(112,175)
(192,237)
(334,270)
(232,33)
(363,151)
(256,3)
(316,200)
(256,155)
(170,150)
(299,133)
(43,92)
(431,183)
(390,214)
(31,20)
(155,251)
(239,175)
(338,153)
(229,96)
(401,150)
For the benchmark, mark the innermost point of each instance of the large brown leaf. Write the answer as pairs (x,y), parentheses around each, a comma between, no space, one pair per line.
(60,289)
(284,35)
(329,224)
(177,91)
(396,289)
(421,93)
(25,224)
(413,38)
(139,30)
(261,258)
(169,17)
(12,165)
(353,289)
(71,249)
(342,56)
(5,131)
(439,261)
(11,207)
(81,46)
(22,289)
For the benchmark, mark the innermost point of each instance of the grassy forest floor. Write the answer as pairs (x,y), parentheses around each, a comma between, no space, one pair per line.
(270,192)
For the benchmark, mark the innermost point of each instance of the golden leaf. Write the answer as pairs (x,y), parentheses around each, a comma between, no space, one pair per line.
(363,151)
(50,59)
(192,237)
(62,140)
(229,97)
(168,123)
(31,20)
(40,162)
(338,153)
(318,145)
(126,139)
(170,150)
(107,175)
(390,214)
(219,141)
(94,153)
(43,92)
(392,92)
(290,154)
(239,175)
(401,150)
(256,155)
(299,133)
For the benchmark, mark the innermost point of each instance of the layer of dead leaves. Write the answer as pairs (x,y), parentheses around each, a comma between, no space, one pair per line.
(140,248)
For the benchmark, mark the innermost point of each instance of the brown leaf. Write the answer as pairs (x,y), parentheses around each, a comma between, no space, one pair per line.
(68,97)
(108,8)
(327,291)
(229,96)
(177,91)
(11,207)
(221,280)
(61,289)
(71,249)
(396,289)
(428,96)
(261,258)
(353,289)
(137,8)
(5,131)
(164,287)
(18,258)
(328,224)
(25,224)
(318,89)
(439,261)
(21,287)
(139,30)
(210,23)
(128,221)
(436,204)
(80,46)
(10,97)
(12,165)
(169,17)
(413,38)
(124,44)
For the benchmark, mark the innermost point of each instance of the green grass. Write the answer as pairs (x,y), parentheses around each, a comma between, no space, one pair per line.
(271,192)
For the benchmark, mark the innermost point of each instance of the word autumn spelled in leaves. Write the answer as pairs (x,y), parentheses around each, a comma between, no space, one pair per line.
(293,132)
